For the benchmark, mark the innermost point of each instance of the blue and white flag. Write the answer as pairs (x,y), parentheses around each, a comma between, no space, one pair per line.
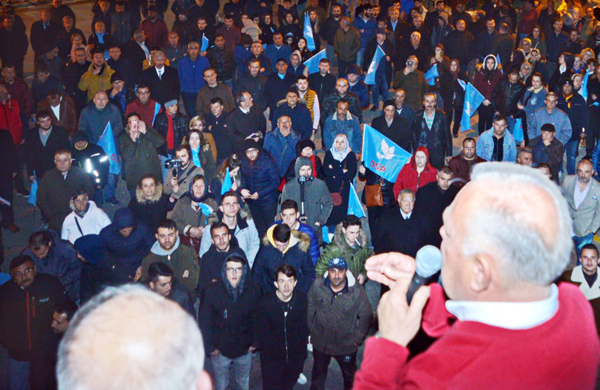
(498,63)
(226,182)
(518,131)
(431,74)
(308,34)
(312,64)
(204,46)
(370,76)
(462,84)
(382,155)
(107,142)
(156,112)
(32,200)
(354,206)
(473,99)
(584,91)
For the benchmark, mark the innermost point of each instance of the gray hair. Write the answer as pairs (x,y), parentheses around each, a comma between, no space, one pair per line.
(406,191)
(129,337)
(193,44)
(524,252)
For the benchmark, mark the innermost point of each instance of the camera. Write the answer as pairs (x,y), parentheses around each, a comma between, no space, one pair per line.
(173,163)
(409,63)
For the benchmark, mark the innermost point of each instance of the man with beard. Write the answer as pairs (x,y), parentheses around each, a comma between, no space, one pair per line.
(462,164)
(161,281)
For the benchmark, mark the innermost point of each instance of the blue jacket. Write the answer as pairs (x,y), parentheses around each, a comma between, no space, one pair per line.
(241,55)
(131,250)
(407,113)
(350,127)
(299,71)
(485,146)
(315,252)
(282,149)
(577,112)
(302,122)
(370,26)
(191,74)
(260,177)
(274,53)
(361,90)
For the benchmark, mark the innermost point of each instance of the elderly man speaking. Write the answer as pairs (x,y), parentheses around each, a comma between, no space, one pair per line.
(506,238)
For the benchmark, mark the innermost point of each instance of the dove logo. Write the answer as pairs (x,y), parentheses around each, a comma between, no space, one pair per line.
(387,152)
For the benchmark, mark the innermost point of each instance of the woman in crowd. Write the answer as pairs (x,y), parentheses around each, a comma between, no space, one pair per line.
(232,163)
(150,205)
(485,81)
(453,93)
(340,170)
(202,155)
(306,148)
(538,41)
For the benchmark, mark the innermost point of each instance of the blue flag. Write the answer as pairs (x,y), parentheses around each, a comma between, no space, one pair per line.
(156,112)
(584,91)
(226,182)
(498,63)
(431,74)
(473,99)
(107,142)
(313,62)
(204,43)
(382,155)
(308,34)
(354,206)
(462,84)
(370,77)
(33,191)
(518,131)
(325,234)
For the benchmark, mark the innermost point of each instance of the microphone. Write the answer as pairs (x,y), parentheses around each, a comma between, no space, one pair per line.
(429,262)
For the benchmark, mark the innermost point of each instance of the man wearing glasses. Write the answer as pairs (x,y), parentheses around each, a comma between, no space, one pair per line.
(226,321)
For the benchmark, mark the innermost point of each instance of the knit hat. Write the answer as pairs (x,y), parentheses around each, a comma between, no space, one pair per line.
(91,248)
(389,102)
(353,69)
(251,144)
(338,262)
(80,136)
(171,103)
(117,76)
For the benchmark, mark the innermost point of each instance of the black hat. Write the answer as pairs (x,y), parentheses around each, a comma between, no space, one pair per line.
(80,136)
(292,90)
(389,102)
(117,76)
(251,144)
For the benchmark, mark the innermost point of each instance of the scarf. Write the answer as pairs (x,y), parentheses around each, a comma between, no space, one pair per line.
(340,155)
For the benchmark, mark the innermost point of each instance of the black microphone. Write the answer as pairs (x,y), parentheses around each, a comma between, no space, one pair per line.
(429,262)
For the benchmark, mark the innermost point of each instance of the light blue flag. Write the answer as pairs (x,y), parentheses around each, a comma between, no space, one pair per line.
(33,191)
(462,84)
(226,182)
(204,43)
(382,155)
(370,77)
(473,99)
(107,142)
(518,131)
(498,63)
(354,206)
(325,235)
(584,91)
(308,34)
(312,64)
(156,112)
(431,74)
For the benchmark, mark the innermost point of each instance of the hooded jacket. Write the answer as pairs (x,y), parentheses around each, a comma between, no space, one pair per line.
(245,233)
(355,257)
(150,211)
(61,262)
(132,249)
(485,81)
(296,254)
(212,263)
(260,176)
(181,259)
(317,165)
(409,177)
(338,325)
(312,194)
(76,225)
(227,322)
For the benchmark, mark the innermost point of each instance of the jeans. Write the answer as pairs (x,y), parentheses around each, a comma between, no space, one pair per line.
(18,180)
(241,366)
(342,65)
(380,88)
(263,215)
(331,55)
(189,102)
(486,117)
(359,57)
(510,125)
(347,365)
(110,189)
(572,149)
(18,374)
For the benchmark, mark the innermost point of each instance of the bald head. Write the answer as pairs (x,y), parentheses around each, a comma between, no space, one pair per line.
(136,339)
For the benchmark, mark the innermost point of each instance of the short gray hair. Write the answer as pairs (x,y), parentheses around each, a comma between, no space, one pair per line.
(506,231)
(129,337)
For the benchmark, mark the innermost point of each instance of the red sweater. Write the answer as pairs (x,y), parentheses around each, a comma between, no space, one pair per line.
(409,177)
(562,353)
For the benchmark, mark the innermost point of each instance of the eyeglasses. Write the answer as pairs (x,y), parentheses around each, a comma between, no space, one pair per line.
(234,270)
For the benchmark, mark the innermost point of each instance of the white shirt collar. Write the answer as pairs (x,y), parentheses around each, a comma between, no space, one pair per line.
(404,215)
(245,111)
(507,315)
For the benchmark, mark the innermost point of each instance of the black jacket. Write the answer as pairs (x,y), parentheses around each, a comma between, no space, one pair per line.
(460,45)
(43,40)
(26,313)
(255,86)
(370,50)
(223,61)
(322,85)
(240,126)
(399,131)
(507,95)
(163,89)
(442,140)
(430,203)
(151,212)
(396,234)
(452,92)
(228,324)
(99,163)
(180,130)
(276,89)
(136,55)
(212,263)
(282,334)
(40,158)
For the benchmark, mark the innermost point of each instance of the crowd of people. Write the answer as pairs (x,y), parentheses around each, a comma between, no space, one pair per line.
(241,162)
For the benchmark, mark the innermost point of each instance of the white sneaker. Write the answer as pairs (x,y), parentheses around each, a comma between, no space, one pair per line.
(302,380)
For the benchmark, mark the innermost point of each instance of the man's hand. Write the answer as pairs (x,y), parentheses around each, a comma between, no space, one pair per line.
(246,193)
(406,71)
(448,159)
(96,70)
(142,127)
(134,136)
(361,279)
(138,274)
(486,102)
(362,169)
(31,178)
(251,349)
(254,196)
(520,106)
(196,232)
(216,352)
(398,322)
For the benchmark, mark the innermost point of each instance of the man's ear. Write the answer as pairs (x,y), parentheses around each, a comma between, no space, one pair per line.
(481,275)
(221,208)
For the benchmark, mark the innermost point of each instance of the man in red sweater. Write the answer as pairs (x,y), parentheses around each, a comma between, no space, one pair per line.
(506,237)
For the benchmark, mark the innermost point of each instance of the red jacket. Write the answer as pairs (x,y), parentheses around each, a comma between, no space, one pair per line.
(562,353)
(147,112)
(410,178)
(10,119)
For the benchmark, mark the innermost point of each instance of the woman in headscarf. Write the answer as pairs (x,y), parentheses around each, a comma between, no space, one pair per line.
(485,81)
(453,93)
(191,212)
(340,170)
(202,152)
